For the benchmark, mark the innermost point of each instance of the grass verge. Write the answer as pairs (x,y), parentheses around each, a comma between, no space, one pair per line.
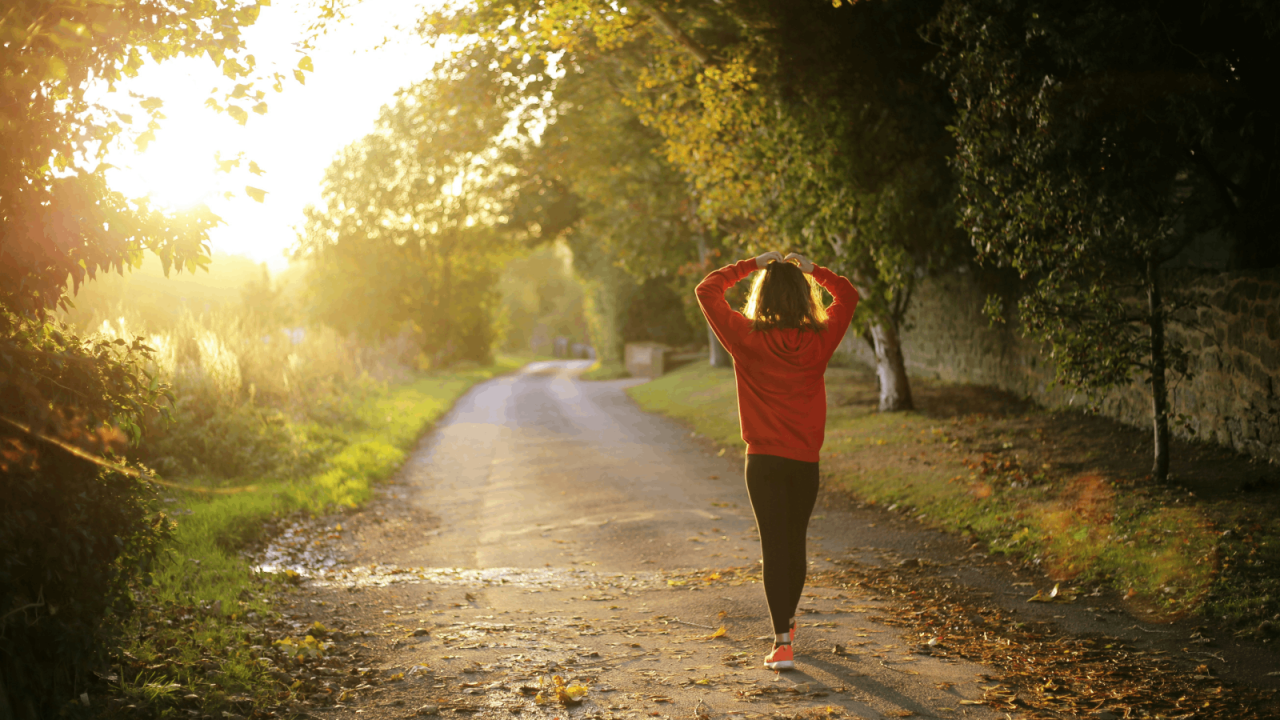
(601,371)
(202,638)
(1060,490)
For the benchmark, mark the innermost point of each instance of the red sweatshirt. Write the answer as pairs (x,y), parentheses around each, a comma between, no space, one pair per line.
(782,397)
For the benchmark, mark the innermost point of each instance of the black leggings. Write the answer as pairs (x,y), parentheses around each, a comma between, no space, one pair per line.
(782,493)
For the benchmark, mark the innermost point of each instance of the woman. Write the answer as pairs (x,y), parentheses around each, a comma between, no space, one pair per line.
(780,346)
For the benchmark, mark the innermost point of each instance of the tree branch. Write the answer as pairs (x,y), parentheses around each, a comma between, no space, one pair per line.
(1227,190)
(673,30)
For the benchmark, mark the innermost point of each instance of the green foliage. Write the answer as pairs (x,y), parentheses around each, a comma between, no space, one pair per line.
(62,224)
(248,397)
(783,126)
(603,371)
(72,537)
(203,579)
(155,301)
(1094,142)
(65,223)
(816,128)
(542,300)
(654,312)
(406,235)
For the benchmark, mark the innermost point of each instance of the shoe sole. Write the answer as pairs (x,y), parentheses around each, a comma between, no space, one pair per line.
(780,665)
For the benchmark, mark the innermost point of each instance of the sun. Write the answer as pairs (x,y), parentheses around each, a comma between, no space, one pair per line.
(177,171)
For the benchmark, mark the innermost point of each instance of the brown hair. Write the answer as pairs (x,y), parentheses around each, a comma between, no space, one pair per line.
(783,296)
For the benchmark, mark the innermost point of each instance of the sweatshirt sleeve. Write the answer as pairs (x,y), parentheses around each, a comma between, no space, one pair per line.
(840,311)
(728,324)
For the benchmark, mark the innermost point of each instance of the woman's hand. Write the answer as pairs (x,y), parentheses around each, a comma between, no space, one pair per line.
(765,259)
(805,263)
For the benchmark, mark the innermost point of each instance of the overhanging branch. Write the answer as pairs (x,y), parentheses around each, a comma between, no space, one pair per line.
(673,30)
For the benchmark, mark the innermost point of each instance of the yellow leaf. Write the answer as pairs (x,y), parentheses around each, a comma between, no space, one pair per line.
(256,193)
(305,64)
(720,632)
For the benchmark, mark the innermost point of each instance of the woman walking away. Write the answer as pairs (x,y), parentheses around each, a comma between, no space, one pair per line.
(780,344)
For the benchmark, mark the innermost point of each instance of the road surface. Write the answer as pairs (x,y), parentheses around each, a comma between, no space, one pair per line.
(548,527)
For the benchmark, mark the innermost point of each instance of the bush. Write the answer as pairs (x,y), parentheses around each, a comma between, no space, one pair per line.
(71,539)
(251,400)
(73,536)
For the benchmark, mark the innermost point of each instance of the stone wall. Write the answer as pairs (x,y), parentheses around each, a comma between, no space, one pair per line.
(1232,396)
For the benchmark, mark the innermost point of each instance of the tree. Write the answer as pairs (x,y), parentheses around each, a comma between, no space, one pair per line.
(633,230)
(65,399)
(799,125)
(542,300)
(583,168)
(407,232)
(1095,141)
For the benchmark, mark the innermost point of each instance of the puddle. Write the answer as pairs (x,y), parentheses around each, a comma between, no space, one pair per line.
(529,578)
(303,548)
(307,549)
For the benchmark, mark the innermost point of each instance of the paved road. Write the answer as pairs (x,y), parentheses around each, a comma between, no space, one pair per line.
(528,461)
(549,527)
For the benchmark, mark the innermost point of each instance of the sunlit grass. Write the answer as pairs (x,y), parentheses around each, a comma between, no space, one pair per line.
(219,525)
(203,579)
(1078,529)
(605,371)
(699,395)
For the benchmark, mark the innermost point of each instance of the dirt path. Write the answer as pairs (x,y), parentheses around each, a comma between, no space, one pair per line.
(548,528)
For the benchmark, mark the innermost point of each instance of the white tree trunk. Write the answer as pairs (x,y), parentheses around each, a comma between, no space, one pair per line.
(895,388)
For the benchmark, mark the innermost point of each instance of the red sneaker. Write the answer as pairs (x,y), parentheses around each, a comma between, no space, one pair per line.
(781,658)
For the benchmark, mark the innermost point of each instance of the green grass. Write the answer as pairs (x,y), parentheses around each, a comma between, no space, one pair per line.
(1149,543)
(601,371)
(699,395)
(197,615)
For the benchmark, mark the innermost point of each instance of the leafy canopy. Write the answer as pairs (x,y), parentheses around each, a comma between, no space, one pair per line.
(808,127)
(1095,141)
(62,223)
(407,232)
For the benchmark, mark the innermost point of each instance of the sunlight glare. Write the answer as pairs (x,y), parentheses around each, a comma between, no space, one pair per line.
(177,170)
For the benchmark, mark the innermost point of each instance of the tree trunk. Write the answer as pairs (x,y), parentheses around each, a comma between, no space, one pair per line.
(719,356)
(1159,386)
(895,388)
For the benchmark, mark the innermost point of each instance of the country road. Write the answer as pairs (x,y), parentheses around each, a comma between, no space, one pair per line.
(548,527)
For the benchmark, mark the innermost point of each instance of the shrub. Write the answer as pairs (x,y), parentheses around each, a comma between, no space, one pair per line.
(73,536)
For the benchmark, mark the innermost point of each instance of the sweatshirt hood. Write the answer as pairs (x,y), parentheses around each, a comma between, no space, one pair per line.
(792,346)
